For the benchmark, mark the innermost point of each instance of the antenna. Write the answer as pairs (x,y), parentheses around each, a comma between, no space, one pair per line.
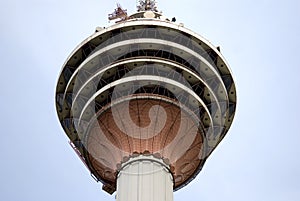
(146,5)
(119,13)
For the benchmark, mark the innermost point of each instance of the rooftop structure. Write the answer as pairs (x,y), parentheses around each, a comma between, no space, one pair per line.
(144,103)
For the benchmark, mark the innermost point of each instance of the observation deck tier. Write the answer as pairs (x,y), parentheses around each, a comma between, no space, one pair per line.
(145,86)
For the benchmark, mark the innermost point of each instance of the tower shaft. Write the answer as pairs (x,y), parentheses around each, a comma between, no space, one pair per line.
(144,178)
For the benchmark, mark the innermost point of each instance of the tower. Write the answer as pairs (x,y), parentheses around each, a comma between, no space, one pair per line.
(144,103)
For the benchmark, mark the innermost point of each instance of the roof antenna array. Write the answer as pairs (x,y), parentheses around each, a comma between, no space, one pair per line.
(147,5)
(119,13)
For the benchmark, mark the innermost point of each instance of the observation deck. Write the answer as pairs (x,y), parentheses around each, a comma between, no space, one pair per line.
(145,86)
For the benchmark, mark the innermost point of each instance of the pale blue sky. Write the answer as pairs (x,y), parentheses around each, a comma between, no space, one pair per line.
(257,160)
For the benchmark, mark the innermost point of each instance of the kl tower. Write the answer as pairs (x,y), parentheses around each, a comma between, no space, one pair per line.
(144,103)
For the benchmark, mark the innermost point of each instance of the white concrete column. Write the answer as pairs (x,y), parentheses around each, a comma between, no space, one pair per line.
(144,178)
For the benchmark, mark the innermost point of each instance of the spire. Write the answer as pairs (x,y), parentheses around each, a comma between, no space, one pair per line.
(145,5)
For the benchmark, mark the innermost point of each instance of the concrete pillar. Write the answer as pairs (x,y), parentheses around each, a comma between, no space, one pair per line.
(144,178)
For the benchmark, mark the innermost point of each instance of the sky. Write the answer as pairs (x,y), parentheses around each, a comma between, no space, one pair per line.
(257,160)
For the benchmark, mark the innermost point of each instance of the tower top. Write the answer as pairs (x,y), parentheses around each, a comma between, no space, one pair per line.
(145,5)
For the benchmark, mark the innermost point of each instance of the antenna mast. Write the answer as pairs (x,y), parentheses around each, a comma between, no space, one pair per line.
(147,5)
(119,13)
